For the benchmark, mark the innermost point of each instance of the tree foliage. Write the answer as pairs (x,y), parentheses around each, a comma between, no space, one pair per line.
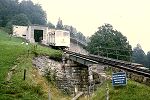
(59,24)
(34,12)
(71,29)
(148,59)
(20,19)
(50,25)
(12,8)
(139,56)
(107,37)
(74,33)
(80,36)
(8,8)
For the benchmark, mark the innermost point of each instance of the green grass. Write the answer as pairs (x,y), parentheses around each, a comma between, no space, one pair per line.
(35,87)
(53,54)
(10,50)
(132,91)
(18,88)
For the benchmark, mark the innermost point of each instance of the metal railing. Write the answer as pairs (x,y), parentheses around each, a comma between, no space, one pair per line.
(78,41)
(119,54)
(125,65)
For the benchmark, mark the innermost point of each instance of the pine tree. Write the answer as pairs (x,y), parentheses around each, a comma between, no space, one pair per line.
(59,24)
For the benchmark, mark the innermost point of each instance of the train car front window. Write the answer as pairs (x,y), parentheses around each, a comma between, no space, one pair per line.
(65,34)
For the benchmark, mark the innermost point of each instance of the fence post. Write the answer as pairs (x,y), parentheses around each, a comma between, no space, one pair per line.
(24,76)
(49,96)
(107,92)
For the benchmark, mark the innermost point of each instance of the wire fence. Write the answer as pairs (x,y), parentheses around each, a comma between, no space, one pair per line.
(119,54)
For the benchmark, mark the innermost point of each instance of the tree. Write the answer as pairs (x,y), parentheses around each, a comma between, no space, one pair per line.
(34,12)
(20,19)
(50,25)
(80,36)
(59,24)
(11,8)
(148,59)
(87,39)
(107,37)
(8,8)
(71,29)
(138,55)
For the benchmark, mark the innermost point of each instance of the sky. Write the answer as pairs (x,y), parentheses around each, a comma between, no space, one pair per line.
(130,17)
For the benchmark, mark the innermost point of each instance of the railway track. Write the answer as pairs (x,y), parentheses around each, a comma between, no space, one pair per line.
(130,67)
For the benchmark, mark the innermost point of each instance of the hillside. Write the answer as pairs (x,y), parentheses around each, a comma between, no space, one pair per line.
(14,59)
(132,91)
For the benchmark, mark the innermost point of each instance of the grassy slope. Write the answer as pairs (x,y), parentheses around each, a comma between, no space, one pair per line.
(35,87)
(133,91)
(9,52)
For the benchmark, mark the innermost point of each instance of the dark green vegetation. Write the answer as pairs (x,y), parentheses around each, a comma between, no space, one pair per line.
(50,25)
(107,37)
(139,56)
(59,25)
(148,59)
(13,53)
(110,42)
(21,13)
(133,91)
(25,12)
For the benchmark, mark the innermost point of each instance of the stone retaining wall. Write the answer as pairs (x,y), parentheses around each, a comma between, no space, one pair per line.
(134,76)
(70,80)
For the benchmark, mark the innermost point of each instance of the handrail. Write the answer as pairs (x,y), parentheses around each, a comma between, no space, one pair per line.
(131,67)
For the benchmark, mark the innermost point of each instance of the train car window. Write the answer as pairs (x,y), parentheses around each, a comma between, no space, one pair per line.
(23,35)
(59,33)
(65,34)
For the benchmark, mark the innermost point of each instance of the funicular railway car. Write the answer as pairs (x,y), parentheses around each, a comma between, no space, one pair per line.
(43,35)
(58,38)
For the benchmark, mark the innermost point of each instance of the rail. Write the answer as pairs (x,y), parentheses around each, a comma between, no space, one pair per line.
(131,67)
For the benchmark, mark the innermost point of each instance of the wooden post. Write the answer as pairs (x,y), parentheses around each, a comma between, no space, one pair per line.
(49,95)
(88,92)
(24,77)
(107,92)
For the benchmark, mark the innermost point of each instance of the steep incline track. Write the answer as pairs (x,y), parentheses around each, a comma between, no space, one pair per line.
(131,67)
